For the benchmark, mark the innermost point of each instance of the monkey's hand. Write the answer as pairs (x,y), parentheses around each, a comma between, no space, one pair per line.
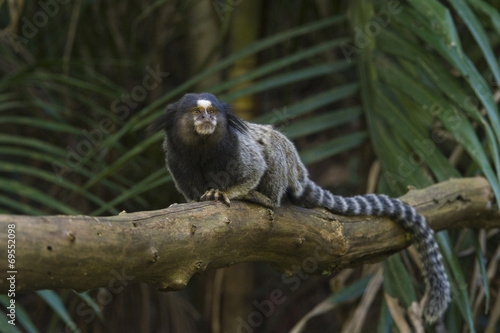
(215,194)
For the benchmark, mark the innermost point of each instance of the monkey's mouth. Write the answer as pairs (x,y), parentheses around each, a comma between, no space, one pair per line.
(204,127)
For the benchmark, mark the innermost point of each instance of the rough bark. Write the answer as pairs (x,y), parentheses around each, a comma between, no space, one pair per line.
(166,247)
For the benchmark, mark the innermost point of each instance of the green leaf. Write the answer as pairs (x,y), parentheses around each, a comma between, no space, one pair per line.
(385,320)
(489,11)
(286,79)
(466,68)
(350,292)
(59,167)
(460,296)
(436,72)
(36,195)
(419,143)
(136,150)
(241,54)
(154,180)
(269,68)
(309,104)
(54,301)
(453,319)
(395,155)
(477,30)
(333,147)
(33,143)
(245,52)
(49,177)
(455,122)
(397,281)
(315,124)
(439,20)
(90,302)
(57,81)
(22,318)
(482,267)
(5,327)
(16,205)
(35,122)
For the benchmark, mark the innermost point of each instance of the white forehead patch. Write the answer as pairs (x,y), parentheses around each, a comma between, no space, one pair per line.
(204,103)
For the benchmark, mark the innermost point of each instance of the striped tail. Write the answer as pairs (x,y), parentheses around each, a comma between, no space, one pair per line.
(436,280)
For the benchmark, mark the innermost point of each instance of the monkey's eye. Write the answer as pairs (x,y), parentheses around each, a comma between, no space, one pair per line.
(195,110)
(211,110)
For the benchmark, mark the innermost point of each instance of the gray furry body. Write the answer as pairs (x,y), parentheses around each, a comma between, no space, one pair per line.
(212,154)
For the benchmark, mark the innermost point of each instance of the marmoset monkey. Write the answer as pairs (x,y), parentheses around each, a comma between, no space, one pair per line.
(212,154)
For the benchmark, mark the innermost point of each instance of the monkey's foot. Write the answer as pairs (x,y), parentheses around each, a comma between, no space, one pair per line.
(259,198)
(214,194)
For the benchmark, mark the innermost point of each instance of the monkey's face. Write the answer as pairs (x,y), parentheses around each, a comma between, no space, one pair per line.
(201,119)
(204,117)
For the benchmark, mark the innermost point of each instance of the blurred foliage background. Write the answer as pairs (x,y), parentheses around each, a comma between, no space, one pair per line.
(377,95)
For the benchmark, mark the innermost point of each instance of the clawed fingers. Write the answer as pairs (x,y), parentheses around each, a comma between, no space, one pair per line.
(208,195)
(215,194)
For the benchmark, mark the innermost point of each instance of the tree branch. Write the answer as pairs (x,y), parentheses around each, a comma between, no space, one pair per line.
(166,247)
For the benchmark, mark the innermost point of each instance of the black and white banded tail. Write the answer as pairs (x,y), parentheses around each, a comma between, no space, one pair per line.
(436,280)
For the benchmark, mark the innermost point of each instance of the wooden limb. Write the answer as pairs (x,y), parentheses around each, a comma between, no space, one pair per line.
(166,247)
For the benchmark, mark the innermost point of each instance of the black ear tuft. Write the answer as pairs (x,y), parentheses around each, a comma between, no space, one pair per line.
(237,123)
(234,121)
(157,125)
(165,121)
